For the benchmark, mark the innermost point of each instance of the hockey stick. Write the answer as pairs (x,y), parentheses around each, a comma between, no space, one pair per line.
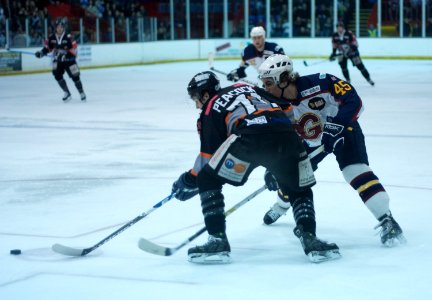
(318,62)
(211,67)
(153,248)
(23,52)
(70,251)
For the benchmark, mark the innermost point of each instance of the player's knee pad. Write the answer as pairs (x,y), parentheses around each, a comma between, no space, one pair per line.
(206,180)
(74,71)
(356,60)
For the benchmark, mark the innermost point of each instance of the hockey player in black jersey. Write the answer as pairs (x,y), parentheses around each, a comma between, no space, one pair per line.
(64,51)
(325,110)
(345,42)
(254,54)
(240,131)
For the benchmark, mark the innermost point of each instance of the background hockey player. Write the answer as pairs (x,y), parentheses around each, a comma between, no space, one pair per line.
(254,54)
(239,131)
(345,42)
(64,52)
(325,110)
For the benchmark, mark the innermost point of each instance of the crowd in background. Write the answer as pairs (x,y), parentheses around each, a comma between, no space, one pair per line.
(36,12)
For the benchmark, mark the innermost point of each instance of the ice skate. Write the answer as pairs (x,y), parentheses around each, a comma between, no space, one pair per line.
(275,212)
(66,97)
(215,251)
(83,96)
(391,233)
(317,250)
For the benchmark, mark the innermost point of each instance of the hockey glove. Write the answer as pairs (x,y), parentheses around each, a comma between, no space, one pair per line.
(237,74)
(332,136)
(332,57)
(39,54)
(185,187)
(270,181)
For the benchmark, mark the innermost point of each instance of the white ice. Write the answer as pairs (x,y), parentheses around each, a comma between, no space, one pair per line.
(74,173)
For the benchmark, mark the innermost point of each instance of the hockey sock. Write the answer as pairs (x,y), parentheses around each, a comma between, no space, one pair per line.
(79,86)
(212,204)
(62,83)
(364,72)
(371,191)
(303,211)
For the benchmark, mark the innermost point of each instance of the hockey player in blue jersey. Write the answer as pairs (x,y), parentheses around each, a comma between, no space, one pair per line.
(254,54)
(325,110)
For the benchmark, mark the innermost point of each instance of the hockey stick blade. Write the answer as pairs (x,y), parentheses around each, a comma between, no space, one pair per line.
(71,251)
(153,248)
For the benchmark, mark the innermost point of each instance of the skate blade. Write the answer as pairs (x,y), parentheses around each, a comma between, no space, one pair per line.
(322,256)
(396,241)
(210,259)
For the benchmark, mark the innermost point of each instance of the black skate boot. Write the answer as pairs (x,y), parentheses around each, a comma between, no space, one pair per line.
(275,212)
(317,250)
(215,251)
(391,233)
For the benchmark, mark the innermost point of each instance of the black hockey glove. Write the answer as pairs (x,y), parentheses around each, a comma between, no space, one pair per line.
(332,57)
(270,181)
(237,74)
(185,187)
(332,136)
(39,54)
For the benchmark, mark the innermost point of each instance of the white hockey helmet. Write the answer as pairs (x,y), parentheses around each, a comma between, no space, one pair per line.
(274,66)
(257,31)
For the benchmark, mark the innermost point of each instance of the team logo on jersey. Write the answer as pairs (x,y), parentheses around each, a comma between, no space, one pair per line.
(229,163)
(309,126)
(256,121)
(317,103)
(310,91)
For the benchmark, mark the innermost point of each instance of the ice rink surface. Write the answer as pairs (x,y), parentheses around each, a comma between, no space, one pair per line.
(74,173)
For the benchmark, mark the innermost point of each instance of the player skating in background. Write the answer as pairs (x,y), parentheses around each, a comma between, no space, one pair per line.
(254,54)
(345,42)
(240,131)
(325,110)
(64,51)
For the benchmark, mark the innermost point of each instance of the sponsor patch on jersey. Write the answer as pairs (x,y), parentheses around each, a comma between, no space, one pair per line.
(317,103)
(310,91)
(233,168)
(256,121)
(334,78)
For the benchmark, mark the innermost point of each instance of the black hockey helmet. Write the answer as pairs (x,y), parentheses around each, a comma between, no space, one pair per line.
(60,21)
(203,82)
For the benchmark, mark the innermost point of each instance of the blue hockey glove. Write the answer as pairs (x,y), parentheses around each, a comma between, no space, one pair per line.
(236,74)
(270,181)
(332,136)
(185,187)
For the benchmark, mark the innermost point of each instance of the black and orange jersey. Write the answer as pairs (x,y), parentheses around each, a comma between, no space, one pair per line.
(60,44)
(237,109)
